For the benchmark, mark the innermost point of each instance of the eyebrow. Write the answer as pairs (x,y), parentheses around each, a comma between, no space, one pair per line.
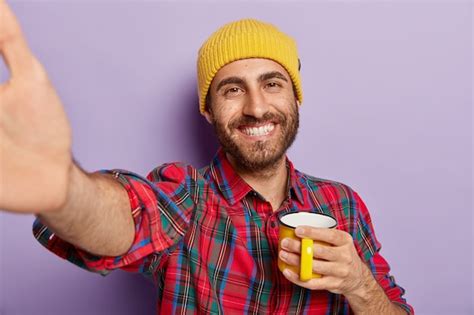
(271,75)
(230,80)
(261,78)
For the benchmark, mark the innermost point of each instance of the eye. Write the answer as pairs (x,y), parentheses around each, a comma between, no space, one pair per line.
(232,91)
(273,85)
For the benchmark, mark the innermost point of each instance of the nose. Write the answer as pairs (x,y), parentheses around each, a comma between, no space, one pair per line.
(255,105)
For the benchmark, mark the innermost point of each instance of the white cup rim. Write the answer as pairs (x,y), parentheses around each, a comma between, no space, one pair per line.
(306,213)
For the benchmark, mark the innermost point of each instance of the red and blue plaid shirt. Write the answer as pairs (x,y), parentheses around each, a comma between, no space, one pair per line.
(209,241)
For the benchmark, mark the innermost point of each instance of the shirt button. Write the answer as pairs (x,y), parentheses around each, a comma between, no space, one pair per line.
(273,224)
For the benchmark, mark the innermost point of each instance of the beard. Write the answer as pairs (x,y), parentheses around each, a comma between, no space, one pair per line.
(259,155)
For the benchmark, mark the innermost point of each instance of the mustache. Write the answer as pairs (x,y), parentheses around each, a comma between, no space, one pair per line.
(266,118)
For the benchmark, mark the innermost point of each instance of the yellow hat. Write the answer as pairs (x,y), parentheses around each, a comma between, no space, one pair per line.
(247,38)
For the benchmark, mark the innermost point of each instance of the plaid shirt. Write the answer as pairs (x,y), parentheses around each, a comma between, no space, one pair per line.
(209,241)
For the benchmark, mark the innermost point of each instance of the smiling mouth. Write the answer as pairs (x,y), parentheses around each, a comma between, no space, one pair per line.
(258,131)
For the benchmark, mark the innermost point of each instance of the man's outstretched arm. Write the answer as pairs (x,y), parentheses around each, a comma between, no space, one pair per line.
(37,173)
(96,215)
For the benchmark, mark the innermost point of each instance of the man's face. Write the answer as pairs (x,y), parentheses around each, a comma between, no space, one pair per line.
(254,111)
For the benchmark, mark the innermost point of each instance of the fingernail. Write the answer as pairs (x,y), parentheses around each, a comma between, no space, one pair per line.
(284,243)
(283,255)
(287,273)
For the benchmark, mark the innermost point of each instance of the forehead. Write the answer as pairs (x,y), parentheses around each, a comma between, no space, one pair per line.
(249,69)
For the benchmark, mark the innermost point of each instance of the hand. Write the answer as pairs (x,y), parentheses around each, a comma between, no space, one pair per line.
(342,270)
(35,137)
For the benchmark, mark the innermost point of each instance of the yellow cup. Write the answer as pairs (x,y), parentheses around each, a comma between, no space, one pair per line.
(288,223)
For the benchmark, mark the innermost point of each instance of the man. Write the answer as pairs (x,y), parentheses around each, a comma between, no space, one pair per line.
(207,237)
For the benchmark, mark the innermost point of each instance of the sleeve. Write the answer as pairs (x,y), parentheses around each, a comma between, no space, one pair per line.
(368,248)
(161,207)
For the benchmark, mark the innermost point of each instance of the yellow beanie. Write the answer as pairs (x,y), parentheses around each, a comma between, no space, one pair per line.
(247,38)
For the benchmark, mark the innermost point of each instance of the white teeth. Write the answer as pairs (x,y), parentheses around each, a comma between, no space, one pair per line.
(259,131)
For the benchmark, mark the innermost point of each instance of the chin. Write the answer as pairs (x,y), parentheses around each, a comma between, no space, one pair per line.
(256,158)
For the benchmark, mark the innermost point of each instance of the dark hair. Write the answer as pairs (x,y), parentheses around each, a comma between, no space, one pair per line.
(207,103)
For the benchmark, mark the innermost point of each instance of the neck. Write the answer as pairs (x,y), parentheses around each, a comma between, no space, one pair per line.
(270,182)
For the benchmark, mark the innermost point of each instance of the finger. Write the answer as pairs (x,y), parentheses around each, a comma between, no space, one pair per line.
(319,251)
(329,253)
(291,245)
(324,283)
(321,267)
(328,268)
(331,236)
(289,258)
(13,46)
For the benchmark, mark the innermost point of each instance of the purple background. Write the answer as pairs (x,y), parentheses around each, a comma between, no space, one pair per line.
(387,110)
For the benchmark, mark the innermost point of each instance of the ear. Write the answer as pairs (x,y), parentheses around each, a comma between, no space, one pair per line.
(208,116)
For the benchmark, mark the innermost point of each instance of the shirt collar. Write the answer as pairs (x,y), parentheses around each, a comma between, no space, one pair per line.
(234,188)
(295,185)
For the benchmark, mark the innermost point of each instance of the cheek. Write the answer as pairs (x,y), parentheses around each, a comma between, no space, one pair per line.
(225,118)
(222,124)
(283,103)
